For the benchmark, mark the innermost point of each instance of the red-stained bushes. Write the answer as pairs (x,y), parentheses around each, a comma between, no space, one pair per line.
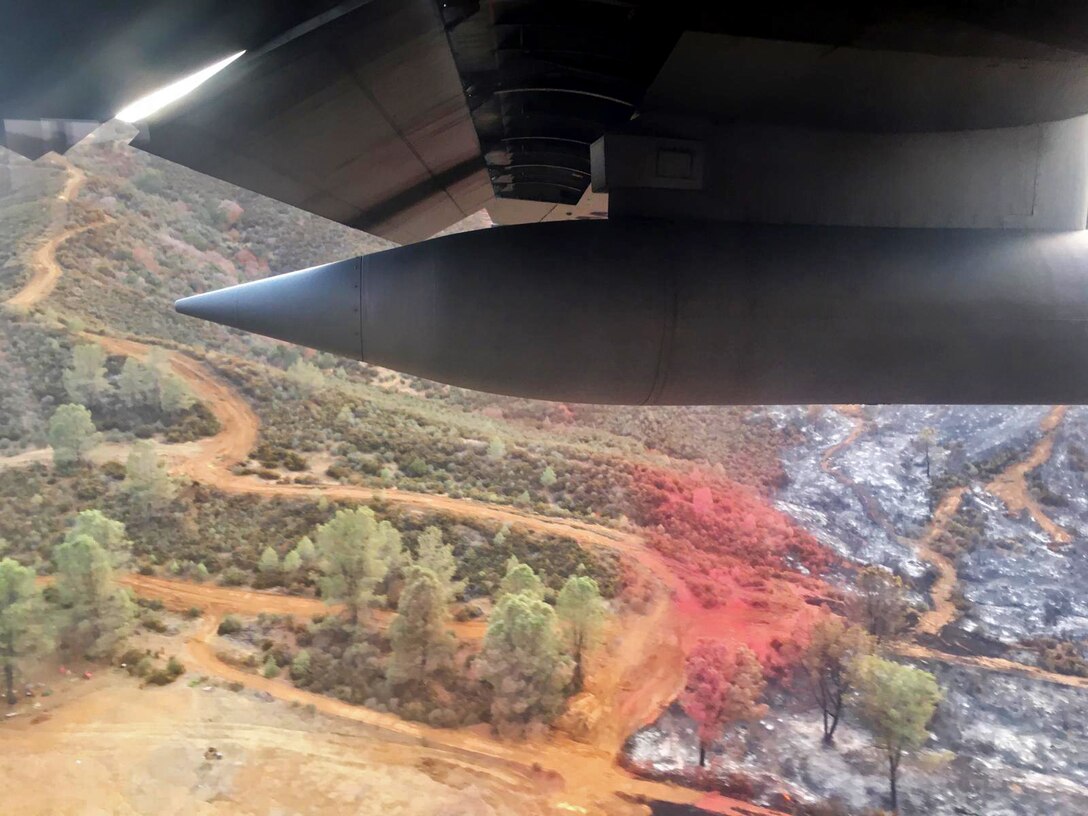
(722,536)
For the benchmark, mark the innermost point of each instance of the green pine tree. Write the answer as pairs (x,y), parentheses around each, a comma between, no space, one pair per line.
(896,702)
(581,612)
(421,643)
(100,613)
(355,551)
(71,434)
(174,395)
(524,663)
(292,562)
(22,621)
(306,550)
(137,384)
(438,557)
(146,479)
(109,534)
(269,563)
(85,381)
(520,579)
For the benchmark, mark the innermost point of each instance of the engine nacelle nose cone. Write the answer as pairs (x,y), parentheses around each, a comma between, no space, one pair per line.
(216,307)
(690,313)
(318,307)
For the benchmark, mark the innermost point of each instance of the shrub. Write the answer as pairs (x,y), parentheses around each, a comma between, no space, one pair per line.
(443,718)
(292,461)
(300,666)
(468,612)
(1063,657)
(153,623)
(113,470)
(230,625)
(233,576)
(171,672)
(130,659)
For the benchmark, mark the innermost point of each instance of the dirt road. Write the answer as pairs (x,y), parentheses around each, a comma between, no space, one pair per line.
(943,611)
(992,664)
(632,691)
(180,596)
(1011,486)
(43,263)
(1012,489)
(209,461)
(589,774)
(102,746)
(644,667)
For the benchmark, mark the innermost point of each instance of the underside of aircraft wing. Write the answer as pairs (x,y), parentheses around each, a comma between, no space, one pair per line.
(776,202)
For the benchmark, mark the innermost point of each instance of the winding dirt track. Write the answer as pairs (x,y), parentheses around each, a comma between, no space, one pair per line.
(644,666)
(635,688)
(44,268)
(944,610)
(643,674)
(1011,485)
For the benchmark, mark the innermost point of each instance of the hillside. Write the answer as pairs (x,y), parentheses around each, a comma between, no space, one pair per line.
(221,453)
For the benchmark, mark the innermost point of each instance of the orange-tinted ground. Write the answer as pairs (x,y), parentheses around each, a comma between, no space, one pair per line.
(638,671)
(1011,484)
(644,665)
(944,610)
(1012,489)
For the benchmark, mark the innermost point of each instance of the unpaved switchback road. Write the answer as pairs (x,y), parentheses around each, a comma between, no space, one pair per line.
(1011,484)
(44,269)
(644,671)
(589,773)
(1012,489)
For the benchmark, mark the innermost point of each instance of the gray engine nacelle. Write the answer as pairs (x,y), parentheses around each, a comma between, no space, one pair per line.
(656,312)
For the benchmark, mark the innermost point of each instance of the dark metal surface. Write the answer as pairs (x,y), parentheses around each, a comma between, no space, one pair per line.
(684,313)
(869,89)
(372,112)
(539,70)
(319,307)
(361,121)
(545,79)
(66,59)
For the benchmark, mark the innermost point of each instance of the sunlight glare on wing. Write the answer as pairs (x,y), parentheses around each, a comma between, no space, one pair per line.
(152,103)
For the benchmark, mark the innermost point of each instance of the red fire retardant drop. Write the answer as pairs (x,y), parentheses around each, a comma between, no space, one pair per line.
(746,572)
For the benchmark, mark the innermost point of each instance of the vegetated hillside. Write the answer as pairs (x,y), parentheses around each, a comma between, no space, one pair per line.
(228,533)
(165,232)
(365,433)
(32,359)
(168,232)
(1009,510)
(980,510)
(27,205)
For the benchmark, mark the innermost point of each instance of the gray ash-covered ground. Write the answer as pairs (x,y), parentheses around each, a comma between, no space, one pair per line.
(870,500)
(1062,481)
(1002,745)
(869,495)
(1018,585)
(823,504)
